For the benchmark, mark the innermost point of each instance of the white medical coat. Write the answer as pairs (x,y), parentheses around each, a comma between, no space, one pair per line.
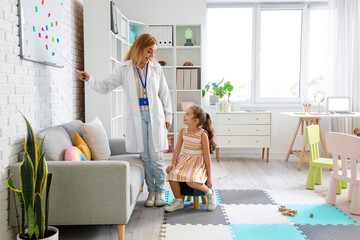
(159,104)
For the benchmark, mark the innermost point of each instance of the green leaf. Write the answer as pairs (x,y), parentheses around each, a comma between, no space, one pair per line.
(22,207)
(30,142)
(221,81)
(31,221)
(40,215)
(203,93)
(27,181)
(41,175)
(40,147)
(11,184)
(49,180)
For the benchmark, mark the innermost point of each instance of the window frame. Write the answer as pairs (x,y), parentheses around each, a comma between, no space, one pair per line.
(304,47)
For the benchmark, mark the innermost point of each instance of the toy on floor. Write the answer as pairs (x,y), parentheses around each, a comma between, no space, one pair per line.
(357,132)
(287,211)
(311,215)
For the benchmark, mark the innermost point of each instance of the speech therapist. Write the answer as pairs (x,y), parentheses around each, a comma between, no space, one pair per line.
(147,110)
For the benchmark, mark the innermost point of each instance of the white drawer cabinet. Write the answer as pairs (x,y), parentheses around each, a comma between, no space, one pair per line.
(243,130)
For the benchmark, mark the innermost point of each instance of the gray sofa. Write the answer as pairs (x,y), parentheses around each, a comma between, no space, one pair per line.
(91,192)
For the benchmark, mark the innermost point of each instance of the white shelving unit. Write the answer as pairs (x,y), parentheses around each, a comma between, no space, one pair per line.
(104,49)
(175,56)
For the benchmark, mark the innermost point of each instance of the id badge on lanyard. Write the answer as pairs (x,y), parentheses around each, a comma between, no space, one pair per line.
(143,101)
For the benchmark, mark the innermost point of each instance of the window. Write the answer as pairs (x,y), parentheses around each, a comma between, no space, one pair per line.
(317,63)
(270,53)
(230,49)
(280,40)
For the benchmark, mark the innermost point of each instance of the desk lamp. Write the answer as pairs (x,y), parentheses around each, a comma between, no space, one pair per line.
(319,97)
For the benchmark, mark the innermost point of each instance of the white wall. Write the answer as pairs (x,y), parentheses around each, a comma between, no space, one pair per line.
(46,95)
(164,11)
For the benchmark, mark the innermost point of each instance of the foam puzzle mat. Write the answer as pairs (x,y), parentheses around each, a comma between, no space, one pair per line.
(253,214)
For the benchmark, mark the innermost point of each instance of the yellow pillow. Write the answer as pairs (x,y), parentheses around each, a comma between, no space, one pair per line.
(80,144)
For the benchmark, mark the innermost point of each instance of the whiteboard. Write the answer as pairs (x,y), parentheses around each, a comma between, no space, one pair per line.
(41,31)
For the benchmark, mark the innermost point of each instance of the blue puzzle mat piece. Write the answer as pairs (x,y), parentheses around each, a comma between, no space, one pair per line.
(169,197)
(264,232)
(323,214)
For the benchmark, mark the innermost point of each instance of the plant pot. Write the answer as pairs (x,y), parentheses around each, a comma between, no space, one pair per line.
(55,236)
(226,106)
(214,99)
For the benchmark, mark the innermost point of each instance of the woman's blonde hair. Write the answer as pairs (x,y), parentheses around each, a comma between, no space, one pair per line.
(143,41)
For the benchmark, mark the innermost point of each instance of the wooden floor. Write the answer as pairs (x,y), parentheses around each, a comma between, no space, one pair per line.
(229,173)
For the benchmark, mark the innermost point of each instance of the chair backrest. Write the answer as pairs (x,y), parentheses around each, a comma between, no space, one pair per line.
(344,147)
(312,134)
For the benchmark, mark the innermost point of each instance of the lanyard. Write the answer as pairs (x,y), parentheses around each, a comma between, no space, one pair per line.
(144,85)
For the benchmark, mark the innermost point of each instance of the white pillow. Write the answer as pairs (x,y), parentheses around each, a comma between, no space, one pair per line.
(95,137)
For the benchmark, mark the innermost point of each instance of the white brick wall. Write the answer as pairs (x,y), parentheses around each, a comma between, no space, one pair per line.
(46,95)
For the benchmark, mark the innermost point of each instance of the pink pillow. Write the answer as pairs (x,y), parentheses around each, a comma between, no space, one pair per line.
(74,154)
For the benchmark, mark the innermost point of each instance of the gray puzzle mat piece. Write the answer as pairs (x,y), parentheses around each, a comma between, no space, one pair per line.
(330,232)
(246,196)
(189,215)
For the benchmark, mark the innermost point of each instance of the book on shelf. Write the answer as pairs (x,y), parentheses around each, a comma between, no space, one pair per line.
(113,18)
(193,79)
(187,79)
(163,34)
(179,79)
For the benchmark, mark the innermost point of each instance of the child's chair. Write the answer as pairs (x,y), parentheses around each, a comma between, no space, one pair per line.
(347,148)
(185,190)
(312,133)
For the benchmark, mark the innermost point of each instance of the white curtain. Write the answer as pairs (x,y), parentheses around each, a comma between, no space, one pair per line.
(344,58)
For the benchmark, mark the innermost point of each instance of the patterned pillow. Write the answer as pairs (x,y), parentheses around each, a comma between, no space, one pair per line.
(74,154)
(81,144)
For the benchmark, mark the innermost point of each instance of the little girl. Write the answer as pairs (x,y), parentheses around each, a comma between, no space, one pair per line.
(194,164)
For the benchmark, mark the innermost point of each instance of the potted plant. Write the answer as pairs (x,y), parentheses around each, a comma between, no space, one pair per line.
(219,90)
(35,180)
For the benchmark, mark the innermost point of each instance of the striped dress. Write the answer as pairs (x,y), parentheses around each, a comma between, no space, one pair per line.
(190,166)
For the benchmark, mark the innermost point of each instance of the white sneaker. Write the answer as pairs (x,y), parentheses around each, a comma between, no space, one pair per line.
(160,199)
(150,201)
(211,201)
(175,205)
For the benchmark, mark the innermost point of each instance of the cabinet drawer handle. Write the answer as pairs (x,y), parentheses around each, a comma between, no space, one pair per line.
(229,141)
(229,119)
(257,130)
(229,129)
(257,141)
(257,118)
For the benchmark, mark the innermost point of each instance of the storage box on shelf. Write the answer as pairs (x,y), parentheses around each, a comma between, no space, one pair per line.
(243,130)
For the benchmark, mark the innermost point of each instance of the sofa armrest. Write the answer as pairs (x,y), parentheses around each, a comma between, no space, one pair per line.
(91,192)
(117,146)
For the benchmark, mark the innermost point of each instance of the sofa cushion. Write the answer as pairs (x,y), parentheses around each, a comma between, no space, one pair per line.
(71,127)
(95,137)
(55,143)
(136,182)
(132,159)
(82,146)
(74,154)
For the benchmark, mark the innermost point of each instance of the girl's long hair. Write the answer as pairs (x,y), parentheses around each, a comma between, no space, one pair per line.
(143,41)
(206,124)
